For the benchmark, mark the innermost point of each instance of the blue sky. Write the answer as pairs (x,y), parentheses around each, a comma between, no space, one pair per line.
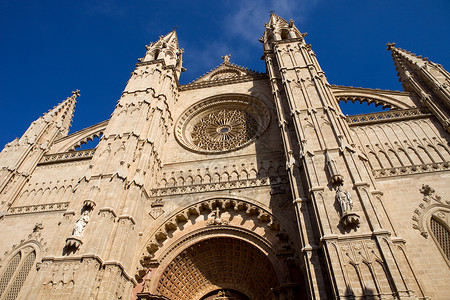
(49,48)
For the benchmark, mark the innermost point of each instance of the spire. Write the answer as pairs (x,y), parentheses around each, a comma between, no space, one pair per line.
(405,60)
(62,114)
(278,29)
(428,80)
(166,48)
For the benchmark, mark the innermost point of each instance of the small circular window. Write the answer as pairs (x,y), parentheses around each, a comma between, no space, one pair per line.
(222,123)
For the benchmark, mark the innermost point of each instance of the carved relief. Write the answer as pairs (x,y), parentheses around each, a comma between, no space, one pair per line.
(215,219)
(432,206)
(157,208)
(75,241)
(364,268)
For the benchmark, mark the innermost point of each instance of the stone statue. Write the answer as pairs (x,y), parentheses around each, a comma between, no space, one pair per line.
(345,200)
(78,229)
(226,58)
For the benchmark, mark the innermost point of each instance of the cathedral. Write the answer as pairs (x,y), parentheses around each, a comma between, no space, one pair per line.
(239,185)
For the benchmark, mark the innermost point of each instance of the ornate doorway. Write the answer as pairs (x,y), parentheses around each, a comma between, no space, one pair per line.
(221,263)
(218,246)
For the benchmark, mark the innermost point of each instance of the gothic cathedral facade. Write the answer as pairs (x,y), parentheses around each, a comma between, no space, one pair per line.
(239,185)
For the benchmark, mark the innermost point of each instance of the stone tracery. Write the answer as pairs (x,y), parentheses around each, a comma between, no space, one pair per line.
(224,130)
(222,123)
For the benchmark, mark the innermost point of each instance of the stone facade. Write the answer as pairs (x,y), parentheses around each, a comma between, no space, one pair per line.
(239,185)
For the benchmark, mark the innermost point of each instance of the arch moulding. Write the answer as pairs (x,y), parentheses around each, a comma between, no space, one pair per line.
(214,218)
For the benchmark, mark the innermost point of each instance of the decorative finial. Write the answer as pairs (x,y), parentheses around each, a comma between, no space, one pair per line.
(390,45)
(76,93)
(226,58)
(175,28)
(272,11)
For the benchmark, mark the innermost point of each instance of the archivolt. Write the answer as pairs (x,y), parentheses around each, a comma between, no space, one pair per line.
(238,218)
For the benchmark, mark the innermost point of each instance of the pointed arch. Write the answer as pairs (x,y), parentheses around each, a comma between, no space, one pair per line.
(444,150)
(381,277)
(441,233)
(374,161)
(414,156)
(197,226)
(18,269)
(384,160)
(395,160)
(346,94)
(234,175)
(424,154)
(434,153)
(405,160)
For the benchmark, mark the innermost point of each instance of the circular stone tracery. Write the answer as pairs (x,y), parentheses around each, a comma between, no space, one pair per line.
(221,124)
(223,130)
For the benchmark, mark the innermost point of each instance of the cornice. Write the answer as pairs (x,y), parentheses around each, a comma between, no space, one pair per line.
(388,116)
(410,170)
(67,156)
(28,209)
(226,81)
(215,186)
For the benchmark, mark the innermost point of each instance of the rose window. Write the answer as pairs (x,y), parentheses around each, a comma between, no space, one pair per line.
(224,129)
(222,124)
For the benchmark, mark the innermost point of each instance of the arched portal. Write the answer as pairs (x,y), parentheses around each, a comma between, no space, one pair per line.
(216,264)
(220,246)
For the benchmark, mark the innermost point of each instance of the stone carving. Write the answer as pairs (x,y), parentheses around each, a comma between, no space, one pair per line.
(68,156)
(336,177)
(211,210)
(390,116)
(157,208)
(38,227)
(215,219)
(432,205)
(345,200)
(80,225)
(406,170)
(226,58)
(348,218)
(224,130)
(37,208)
(225,75)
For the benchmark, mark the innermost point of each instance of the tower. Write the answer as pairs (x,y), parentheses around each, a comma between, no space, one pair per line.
(429,81)
(316,137)
(20,156)
(239,185)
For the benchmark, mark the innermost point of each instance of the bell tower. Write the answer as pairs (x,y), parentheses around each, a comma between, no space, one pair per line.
(340,218)
(20,157)
(428,80)
(99,232)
